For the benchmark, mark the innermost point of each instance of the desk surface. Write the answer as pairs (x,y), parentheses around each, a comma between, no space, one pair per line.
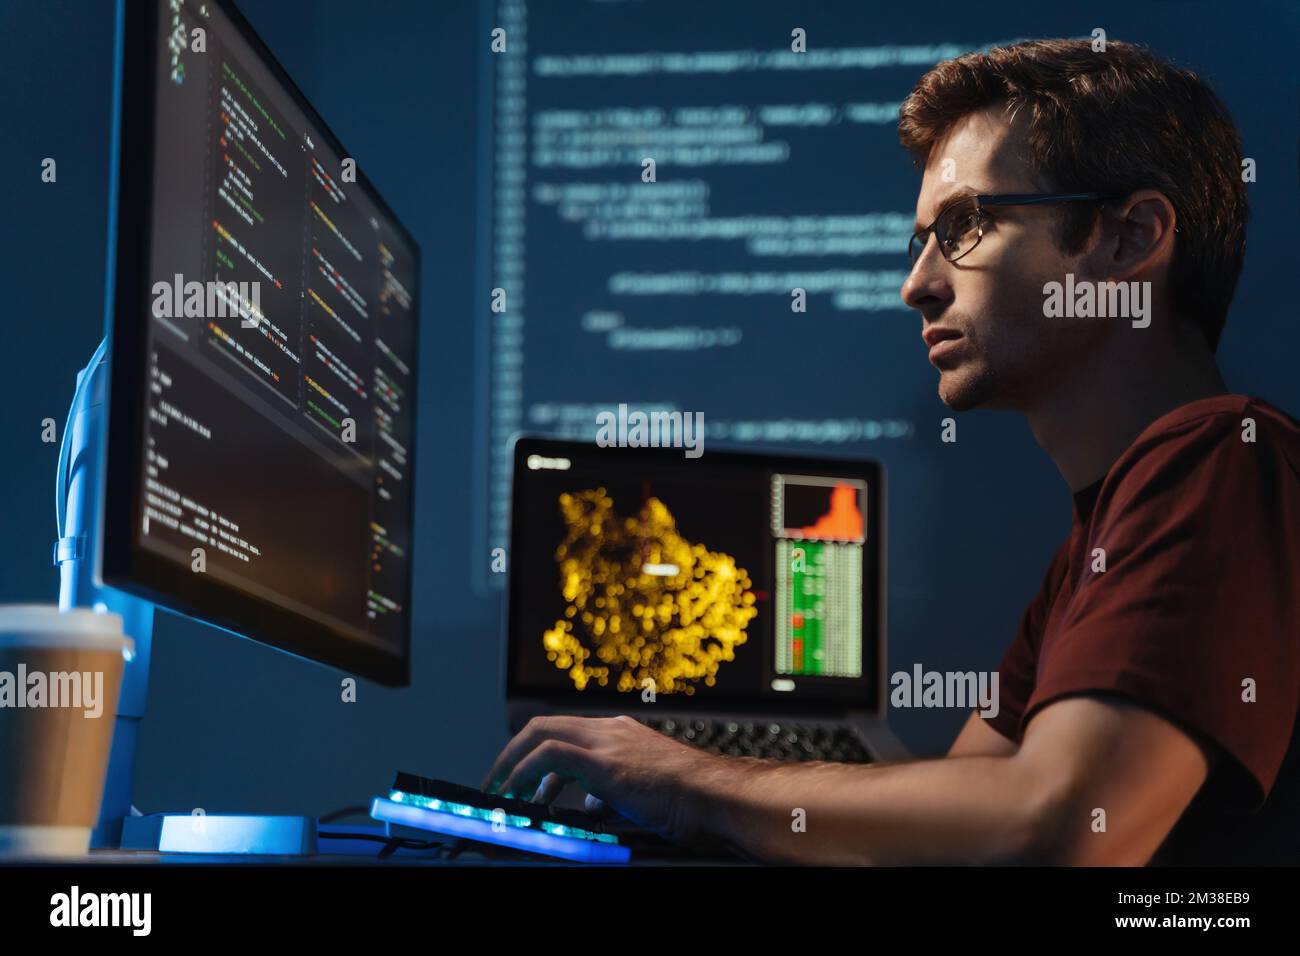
(468,857)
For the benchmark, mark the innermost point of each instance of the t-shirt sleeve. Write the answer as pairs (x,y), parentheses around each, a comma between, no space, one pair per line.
(1016,672)
(1195,615)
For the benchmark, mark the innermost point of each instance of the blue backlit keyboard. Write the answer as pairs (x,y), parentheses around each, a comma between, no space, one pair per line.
(468,813)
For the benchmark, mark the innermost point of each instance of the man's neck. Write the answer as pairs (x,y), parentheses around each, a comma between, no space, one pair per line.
(1087,417)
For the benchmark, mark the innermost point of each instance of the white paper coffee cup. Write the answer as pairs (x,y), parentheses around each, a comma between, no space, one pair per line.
(60,676)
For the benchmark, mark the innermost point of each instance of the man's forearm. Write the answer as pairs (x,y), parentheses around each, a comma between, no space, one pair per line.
(955,810)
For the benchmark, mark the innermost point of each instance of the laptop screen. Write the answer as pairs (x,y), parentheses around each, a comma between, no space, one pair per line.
(642,576)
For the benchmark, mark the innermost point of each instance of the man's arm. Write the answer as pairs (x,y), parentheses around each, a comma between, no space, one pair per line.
(1036,805)
(978,738)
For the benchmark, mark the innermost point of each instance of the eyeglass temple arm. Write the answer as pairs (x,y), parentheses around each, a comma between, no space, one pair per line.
(1037,199)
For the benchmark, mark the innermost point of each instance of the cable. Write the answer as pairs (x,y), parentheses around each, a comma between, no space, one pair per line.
(345,812)
(391,844)
(402,842)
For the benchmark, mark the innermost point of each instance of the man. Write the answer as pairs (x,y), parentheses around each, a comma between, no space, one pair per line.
(1148,703)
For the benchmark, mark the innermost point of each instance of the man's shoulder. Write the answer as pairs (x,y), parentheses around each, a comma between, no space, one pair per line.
(1214,416)
(1235,437)
(1244,417)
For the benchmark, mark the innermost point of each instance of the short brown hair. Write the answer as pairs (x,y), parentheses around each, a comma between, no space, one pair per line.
(1113,121)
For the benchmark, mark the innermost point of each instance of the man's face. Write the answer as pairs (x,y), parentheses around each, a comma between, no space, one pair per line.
(982,316)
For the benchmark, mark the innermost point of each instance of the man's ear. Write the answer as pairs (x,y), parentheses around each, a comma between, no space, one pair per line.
(1137,236)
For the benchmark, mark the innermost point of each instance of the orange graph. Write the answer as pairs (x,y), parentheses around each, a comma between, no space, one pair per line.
(842,521)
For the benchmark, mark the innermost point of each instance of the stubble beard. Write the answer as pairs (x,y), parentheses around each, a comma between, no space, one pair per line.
(966,388)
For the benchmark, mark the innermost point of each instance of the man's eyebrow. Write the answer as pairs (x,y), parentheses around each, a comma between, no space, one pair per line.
(961,192)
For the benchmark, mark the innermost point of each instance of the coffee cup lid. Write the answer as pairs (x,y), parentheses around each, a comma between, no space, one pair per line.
(45,624)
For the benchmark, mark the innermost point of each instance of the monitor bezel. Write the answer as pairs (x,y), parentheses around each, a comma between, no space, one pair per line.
(874,637)
(124,563)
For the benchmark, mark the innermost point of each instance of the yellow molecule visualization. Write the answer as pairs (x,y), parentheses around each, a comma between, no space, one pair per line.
(643,603)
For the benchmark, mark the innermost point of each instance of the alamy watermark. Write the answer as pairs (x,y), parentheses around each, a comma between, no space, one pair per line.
(638,429)
(208,300)
(1085,300)
(82,690)
(133,911)
(956,689)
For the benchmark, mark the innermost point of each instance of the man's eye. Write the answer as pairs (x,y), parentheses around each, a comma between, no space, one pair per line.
(964,223)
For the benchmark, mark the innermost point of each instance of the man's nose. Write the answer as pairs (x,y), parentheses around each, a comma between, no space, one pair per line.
(928,282)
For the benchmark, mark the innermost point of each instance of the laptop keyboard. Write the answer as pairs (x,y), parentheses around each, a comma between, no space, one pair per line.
(780,741)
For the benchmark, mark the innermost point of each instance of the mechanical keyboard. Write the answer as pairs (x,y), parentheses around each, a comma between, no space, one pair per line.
(472,814)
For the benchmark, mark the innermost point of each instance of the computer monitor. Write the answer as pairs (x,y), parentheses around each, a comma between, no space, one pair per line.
(263,342)
(736,578)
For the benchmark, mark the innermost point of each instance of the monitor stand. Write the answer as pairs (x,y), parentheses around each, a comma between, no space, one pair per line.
(79,497)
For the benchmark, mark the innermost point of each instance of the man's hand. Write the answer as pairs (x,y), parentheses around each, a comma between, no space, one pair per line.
(655,782)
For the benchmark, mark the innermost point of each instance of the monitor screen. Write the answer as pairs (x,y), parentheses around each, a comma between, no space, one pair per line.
(263,355)
(646,575)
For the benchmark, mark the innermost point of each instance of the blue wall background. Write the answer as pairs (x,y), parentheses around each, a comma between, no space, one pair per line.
(236,726)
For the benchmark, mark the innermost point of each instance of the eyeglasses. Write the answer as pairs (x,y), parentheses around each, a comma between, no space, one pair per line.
(959,226)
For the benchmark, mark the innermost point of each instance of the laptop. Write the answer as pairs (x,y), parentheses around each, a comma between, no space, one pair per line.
(734,601)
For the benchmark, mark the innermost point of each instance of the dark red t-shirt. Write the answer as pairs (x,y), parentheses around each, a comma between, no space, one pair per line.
(1200,596)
